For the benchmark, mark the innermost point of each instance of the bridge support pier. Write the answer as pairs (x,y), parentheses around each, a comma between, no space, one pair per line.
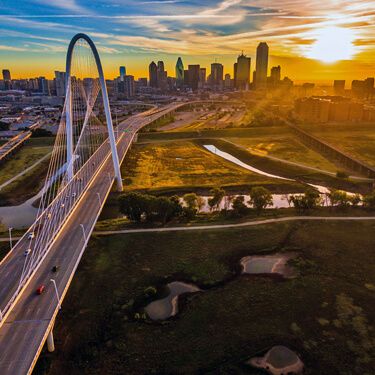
(50,341)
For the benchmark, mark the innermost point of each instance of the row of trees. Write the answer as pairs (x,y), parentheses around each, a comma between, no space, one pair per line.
(140,207)
(148,208)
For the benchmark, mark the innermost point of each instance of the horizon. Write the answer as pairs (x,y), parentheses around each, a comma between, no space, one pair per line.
(320,44)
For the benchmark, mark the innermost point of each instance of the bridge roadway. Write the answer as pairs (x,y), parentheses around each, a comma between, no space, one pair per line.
(25,328)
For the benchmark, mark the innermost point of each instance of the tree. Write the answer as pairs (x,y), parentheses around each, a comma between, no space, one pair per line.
(217,196)
(369,200)
(260,198)
(339,198)
(191,200)
(165,209)
(135,206)
(239,206)
(309,200)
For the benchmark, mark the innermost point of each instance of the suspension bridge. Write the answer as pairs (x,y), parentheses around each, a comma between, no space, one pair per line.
(85,163)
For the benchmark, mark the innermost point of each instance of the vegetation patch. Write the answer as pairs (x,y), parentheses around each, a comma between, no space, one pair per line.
(316,314)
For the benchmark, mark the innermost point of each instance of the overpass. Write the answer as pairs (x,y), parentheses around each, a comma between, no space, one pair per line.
(84,165)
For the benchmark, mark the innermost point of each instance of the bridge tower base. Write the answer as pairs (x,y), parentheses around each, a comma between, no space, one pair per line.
(50,341)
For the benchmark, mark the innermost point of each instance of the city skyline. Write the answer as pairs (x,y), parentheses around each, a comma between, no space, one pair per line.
(306,43)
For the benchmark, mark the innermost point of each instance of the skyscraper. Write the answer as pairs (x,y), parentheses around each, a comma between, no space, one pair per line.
(242,72)
(261,65)
(122,73)
(275,74)
(179,73)
(6,75)
(43,85)
(202,76)
(7,79)
(339,86)
(193,72)
(217,73)
(162,76)
(153,74)
(60,83)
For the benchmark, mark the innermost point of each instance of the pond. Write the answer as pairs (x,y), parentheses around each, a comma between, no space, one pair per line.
(167,307)
(268,264)
(279,360)
(21,216)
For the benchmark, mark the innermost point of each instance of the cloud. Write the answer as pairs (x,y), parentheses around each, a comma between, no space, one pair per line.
(70,5)
(12,49)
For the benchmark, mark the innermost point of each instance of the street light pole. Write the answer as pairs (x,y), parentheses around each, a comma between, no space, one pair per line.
(10,237)
(57,293)
(83,231)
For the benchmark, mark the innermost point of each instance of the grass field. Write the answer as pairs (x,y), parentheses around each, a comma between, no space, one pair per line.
(357,140)
(33,150)
(287,147)
(31,182)
(326,314)
(187,166)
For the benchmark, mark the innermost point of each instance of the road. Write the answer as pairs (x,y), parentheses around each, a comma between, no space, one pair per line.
(237,225)
(25,328)
(16,142)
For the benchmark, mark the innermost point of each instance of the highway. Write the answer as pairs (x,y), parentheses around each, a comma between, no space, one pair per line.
(15,142)
(25,327)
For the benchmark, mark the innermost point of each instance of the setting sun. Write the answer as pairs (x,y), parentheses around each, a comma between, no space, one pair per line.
(333,44)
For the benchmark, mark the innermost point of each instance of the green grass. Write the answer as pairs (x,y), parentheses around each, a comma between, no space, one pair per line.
(186,166)
(33,150)
(25,187)
(326,314)
(357,140)
(286,147)
(290,171)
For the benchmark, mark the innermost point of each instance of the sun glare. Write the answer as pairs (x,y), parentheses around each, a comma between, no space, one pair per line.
(332,44)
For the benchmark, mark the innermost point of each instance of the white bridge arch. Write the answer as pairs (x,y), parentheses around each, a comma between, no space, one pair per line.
(69,122)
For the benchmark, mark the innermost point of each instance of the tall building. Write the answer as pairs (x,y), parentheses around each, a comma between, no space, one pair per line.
(7,79)
(6,75)
(242,72)
(43,86)
(275,74)
(261,65)
(179,73)
(227,81)
(122,73)
(217,73)
(193,74)
(202,77)
(60,83)
(129,86)
(162,76)
(153,74)
(339,86)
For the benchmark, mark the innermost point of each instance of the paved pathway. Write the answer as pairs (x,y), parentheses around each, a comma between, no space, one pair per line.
(236,225)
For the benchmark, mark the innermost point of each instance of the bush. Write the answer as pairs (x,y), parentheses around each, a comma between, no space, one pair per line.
(260,198)
(217,196)
(239,206)
(309,200)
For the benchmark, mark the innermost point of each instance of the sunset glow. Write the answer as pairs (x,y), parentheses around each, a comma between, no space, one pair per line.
(303,37)
(333,44)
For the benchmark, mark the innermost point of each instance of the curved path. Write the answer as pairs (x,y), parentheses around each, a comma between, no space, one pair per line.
(236,225)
